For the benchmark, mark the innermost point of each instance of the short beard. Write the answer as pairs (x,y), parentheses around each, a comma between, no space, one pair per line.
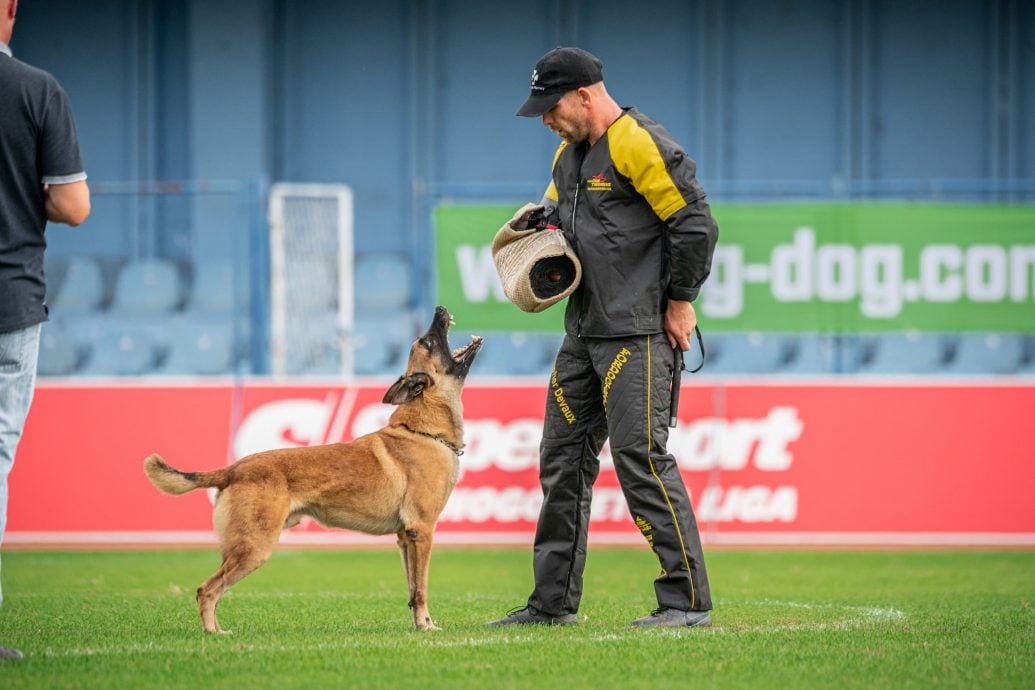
(576,136)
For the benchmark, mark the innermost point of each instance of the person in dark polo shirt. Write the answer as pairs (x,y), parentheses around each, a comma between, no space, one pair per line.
(41,179)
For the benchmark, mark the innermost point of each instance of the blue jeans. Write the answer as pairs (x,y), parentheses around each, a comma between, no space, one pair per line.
(19,351)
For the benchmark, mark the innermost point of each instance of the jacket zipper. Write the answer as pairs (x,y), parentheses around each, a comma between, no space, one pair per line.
(574,209)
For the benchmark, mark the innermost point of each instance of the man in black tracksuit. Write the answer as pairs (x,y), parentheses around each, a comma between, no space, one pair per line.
(626,197)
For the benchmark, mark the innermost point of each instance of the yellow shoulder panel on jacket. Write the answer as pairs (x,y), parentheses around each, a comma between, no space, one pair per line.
(636,156)
(551,190)
(557,154)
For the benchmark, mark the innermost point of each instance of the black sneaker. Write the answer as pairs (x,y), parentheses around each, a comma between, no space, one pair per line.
(10,654)
(673,618)
(531,615)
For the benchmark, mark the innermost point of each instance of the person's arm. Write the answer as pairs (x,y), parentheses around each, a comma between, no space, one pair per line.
(67,203)
(666,178)
(692,237)
(66,196)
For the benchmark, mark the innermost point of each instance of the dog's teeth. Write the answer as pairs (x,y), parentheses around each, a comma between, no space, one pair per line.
(452,321)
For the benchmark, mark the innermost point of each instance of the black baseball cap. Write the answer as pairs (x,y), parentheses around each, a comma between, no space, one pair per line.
(558,72)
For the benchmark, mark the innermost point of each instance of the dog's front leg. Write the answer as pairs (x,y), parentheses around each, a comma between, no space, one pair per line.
(418,556)
(404,550)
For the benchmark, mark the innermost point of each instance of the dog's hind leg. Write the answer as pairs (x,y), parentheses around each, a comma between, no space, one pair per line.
(418,556)
(247,539)
(239,560)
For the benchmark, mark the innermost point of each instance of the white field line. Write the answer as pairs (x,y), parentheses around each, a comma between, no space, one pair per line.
(853,617)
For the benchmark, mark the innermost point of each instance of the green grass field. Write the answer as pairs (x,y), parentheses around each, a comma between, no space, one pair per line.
(325,618)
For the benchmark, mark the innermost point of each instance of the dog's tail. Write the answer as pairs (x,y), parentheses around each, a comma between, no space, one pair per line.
(172,481)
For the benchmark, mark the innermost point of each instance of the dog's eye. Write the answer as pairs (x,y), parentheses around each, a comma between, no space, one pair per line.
(428,343)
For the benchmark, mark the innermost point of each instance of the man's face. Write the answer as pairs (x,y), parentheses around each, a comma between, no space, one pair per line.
(568,118)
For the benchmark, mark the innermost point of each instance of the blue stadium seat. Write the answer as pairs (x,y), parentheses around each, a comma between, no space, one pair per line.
(147,286)
(59,353)
(911,352)
(81,290)
(383,282)
(315,349)
(120,352)
(743,353)
(987,353)
(381,343)
(1027,367)
(821,354)
(551,344)
(511,354)
(55,268)
(217,288)
(201,347)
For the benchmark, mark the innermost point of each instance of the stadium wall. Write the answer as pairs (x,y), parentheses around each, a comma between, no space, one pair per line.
(412,103)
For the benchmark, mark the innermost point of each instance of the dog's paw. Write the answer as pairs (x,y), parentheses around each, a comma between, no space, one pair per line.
(219,631)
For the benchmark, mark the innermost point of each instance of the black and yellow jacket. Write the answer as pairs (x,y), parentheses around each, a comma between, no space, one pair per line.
(634,212)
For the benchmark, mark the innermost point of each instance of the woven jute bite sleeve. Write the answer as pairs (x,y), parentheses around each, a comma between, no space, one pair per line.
(538,268)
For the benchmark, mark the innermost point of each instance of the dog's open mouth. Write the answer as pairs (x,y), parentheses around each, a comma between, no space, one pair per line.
(462,356)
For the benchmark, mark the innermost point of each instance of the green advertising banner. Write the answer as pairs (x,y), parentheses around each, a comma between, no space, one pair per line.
(835,267)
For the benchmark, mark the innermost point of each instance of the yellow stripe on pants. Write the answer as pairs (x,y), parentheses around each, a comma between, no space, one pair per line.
(661,484)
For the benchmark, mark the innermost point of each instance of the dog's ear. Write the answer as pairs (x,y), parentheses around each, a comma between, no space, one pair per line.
(406,388)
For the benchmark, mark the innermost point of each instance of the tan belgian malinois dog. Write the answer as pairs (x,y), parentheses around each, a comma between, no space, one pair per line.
(397,479)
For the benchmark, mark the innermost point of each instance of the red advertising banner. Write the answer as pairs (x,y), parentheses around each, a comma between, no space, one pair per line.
(810,463)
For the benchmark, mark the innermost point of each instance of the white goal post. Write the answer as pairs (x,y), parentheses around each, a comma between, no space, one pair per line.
(312,308)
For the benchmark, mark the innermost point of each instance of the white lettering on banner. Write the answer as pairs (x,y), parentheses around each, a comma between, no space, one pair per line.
(792,268)
(371,418)
(1022,265)
(881,268)
(836,272)
(717,504)
(513,446)
(511,504)
(283,424)
(803,271)
(748,504)
(725,289)
(478,276)
(986,273)
(712,442)
(939,278)
(516,504)
(703,444)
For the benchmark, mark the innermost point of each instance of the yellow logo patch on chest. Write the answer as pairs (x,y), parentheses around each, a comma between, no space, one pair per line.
(598,183)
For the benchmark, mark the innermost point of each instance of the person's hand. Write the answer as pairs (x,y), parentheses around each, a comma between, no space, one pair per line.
(521,219)
(680,319)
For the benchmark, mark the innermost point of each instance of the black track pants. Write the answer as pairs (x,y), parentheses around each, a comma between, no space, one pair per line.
(615,388)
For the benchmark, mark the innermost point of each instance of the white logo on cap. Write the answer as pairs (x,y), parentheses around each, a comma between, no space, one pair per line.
(535,76)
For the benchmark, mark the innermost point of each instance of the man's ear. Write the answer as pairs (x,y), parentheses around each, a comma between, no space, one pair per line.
(406,388)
